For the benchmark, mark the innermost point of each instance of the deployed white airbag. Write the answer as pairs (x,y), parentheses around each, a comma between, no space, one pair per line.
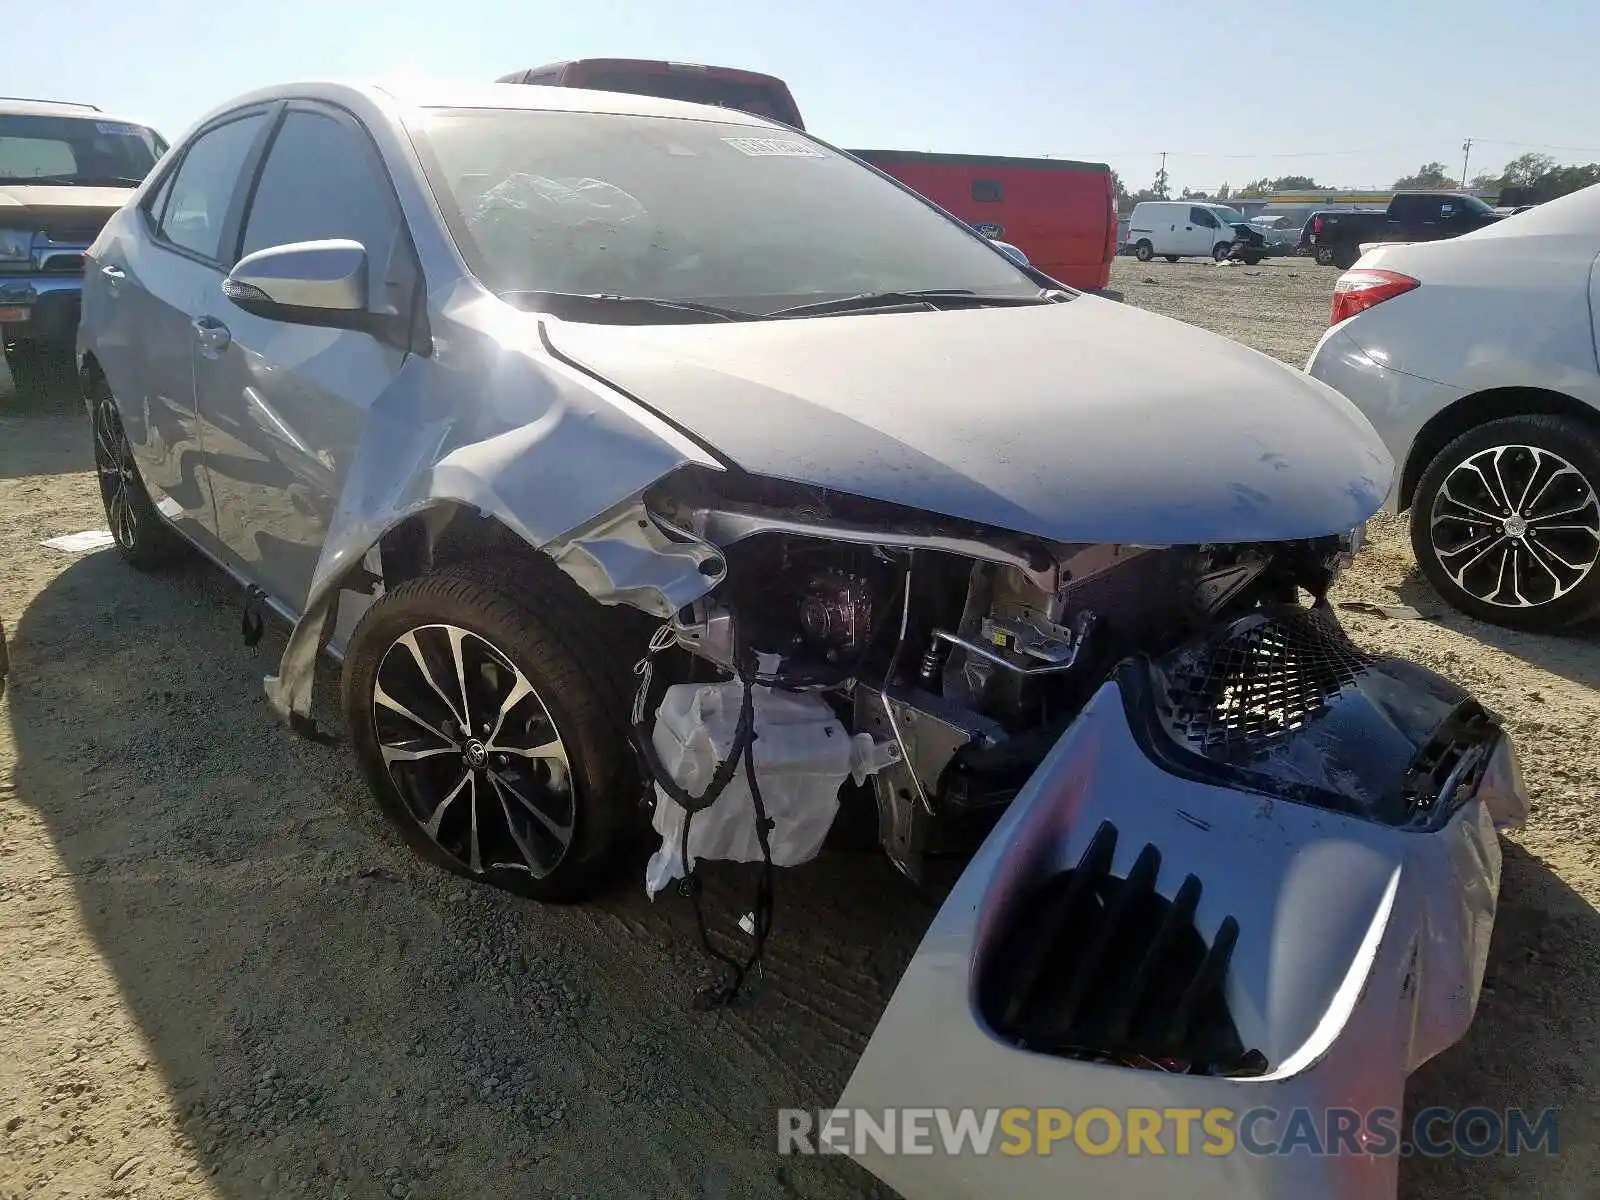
(802,757)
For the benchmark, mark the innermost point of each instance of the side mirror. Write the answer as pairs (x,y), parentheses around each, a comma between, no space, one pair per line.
(307,283)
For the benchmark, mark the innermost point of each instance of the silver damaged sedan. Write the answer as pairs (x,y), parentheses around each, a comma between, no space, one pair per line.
(593,431)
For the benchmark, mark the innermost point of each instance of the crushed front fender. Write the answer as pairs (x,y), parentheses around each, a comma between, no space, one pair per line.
(554,456)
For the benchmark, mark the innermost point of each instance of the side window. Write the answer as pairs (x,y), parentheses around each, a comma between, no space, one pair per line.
(988,191)
(197,204)
(157,200)
(1408,208)
(1200,216)
(323,179)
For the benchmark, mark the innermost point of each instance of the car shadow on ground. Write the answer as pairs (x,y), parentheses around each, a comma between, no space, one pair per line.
(54,447)
(1574,655)
(330,1017)
(1546,944)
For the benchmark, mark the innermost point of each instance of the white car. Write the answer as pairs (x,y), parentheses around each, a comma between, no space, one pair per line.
(1475,359)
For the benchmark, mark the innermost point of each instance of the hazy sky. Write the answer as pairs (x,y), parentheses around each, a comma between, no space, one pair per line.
(1232,91)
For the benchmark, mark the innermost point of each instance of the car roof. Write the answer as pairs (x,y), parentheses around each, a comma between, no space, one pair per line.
(416,94)
(1576,213)
(18,106)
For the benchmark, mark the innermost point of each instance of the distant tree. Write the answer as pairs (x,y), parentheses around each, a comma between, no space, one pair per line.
(1562,181)
(1526,169)
(1223,193)
(1487,182)
(1159,189)
(1257,188)
(1193,195)
(1430,177)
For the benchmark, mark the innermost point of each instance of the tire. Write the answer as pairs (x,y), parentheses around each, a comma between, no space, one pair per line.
(1144,251)
(1221,251)
(1345,257)
(1324,256)
(37,371)
(492,815)
(1170,257)
(1543,583)
(142,536)
(1252,258)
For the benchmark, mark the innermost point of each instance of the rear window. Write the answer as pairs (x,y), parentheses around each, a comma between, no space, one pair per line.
(694,87)
(36,148)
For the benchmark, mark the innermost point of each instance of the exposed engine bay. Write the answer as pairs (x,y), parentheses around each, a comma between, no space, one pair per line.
(968,650)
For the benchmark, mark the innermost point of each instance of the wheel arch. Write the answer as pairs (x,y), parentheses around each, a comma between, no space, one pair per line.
(1477,409)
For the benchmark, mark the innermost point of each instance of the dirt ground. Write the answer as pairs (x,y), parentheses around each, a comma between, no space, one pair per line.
(222,976)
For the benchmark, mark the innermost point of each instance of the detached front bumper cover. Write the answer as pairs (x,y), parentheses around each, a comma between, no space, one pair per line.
(1258,874)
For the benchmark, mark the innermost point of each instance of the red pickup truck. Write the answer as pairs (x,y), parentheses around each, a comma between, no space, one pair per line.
(1060,213)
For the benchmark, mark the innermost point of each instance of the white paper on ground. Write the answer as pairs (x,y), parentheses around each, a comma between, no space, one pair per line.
(78,543)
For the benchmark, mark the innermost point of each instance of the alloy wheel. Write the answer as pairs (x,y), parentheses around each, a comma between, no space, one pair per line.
(474,752)
(119,479)
(1516,526)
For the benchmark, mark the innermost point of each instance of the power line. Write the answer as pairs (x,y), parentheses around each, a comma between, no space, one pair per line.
(1539,146)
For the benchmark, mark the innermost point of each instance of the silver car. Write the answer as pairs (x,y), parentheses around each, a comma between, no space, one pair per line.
(655,464)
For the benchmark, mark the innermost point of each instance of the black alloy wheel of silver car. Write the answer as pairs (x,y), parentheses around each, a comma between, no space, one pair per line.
(1221,251)
(1506,523)
(491,728)
(141,536)
(1144,251)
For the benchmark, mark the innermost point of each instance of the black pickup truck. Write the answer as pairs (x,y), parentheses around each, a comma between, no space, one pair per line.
(1335,237)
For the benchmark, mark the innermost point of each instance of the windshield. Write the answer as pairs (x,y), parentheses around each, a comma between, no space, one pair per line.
(746,219)
(1474,205)
(35,148)
(1228,216)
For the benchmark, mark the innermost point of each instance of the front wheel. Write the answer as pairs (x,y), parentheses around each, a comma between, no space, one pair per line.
(142,537)
(1221,251)
(1505,523)
(1170,257)
(1252,258)
(1144,251)
(491,728)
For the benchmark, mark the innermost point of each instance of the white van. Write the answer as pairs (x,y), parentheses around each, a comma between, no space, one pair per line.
(1178,229)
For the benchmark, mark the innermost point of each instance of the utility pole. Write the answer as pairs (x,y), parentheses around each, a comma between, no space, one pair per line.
(1466,153)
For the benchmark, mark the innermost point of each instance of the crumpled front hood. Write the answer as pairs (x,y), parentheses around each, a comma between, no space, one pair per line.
(1085,421)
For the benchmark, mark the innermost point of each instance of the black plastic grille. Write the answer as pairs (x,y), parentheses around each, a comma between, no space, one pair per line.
(1266,675)
(1107,969)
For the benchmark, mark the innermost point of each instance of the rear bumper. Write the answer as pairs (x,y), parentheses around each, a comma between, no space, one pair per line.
(1357,948)
(42,309)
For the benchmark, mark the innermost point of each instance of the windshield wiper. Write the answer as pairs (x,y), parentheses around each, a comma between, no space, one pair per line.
(936,298)
(556,302)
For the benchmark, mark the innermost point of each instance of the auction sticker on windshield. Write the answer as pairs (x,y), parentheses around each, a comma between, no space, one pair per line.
(759,147)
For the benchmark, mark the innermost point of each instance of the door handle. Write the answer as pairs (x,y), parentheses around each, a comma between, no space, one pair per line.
(211,333)
(115,274)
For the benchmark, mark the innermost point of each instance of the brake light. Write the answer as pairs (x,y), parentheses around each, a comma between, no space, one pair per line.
(1361,289)
(1316,225)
